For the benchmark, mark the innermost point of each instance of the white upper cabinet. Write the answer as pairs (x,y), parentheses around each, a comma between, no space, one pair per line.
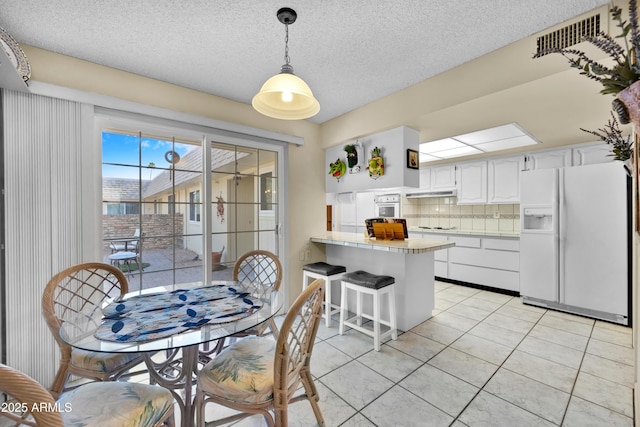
(591,154)
(471,181)
(504,179)
(425,178)
(548,159)
(443,177)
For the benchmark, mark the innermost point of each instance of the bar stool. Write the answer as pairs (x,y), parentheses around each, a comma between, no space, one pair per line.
(327,272)
(370,284)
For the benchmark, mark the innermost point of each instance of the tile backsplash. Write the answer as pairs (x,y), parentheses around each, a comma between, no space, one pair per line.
(445,212)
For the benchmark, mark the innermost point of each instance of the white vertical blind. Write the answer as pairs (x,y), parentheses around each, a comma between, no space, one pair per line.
(45,145)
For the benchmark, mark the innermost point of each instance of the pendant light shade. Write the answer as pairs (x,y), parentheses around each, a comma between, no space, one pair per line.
(285,95)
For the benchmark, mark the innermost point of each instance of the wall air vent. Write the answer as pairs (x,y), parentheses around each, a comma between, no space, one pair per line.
(569,35)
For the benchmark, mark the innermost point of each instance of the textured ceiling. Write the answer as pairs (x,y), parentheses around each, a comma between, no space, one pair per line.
(349,52)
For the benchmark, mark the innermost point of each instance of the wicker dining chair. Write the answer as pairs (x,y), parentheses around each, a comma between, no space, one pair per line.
(257,375)
(263,267)
(77,288)
(114,404)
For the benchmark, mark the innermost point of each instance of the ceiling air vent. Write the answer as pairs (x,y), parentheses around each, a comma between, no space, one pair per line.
(569,35)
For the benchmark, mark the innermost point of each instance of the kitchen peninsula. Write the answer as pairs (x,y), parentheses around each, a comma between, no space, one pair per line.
(410,261)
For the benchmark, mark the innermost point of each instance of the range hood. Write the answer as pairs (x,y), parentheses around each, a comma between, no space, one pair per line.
(430,193)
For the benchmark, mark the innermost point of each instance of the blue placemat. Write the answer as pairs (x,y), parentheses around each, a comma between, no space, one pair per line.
(154,316)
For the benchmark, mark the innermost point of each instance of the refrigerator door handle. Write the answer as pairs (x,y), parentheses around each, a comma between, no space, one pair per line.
(560,235)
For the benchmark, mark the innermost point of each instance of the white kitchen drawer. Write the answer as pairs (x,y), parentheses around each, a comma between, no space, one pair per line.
(466,242)
(501,244)
(501,279)
(502,260)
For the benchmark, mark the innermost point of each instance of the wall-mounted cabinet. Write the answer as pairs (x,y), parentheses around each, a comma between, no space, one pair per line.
(438,177)
(471,183)
(592,154)
(504,179)
(425,178)
(549,159)
(443,177)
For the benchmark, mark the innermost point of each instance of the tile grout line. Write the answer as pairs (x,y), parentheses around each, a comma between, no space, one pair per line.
(446,346)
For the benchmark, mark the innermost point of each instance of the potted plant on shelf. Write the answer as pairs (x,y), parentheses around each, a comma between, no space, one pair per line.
(621,79)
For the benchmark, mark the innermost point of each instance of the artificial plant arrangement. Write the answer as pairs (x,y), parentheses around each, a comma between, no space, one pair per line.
(353,156)
(620,79)
(622,148)
(625,70)
(337,169)
(376,164)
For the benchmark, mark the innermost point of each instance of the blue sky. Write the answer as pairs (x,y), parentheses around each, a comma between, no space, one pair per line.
(125,149)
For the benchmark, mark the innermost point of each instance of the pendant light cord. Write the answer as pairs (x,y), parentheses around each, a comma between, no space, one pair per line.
(286,44)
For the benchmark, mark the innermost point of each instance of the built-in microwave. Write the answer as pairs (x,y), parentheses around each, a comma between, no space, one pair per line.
(387,206)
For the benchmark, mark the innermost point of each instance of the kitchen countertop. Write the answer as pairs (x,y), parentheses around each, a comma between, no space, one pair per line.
(462,232)
(358,240)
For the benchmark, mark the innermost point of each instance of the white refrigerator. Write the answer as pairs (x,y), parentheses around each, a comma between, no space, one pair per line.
(575,240)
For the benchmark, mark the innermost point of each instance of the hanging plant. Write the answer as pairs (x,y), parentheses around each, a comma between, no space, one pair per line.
(352,155)
(376,164)
(337,169)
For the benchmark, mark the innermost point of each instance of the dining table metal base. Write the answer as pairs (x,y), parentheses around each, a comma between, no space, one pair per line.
(177,372)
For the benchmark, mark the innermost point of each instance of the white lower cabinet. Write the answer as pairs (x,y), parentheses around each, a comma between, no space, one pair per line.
(487,261)
(480,260)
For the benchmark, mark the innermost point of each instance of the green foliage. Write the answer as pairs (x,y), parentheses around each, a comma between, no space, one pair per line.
(350,148)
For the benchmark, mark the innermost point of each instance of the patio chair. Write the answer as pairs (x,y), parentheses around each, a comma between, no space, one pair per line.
(127,257)
(78,288)
(257,375)
(130,245)
(116,404)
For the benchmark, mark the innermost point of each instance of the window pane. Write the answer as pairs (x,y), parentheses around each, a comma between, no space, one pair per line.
(267,162)
(266,189)
(147,182)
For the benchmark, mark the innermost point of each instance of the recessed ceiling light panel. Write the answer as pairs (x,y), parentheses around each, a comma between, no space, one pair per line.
(440,145)
(498,138)
(492,134)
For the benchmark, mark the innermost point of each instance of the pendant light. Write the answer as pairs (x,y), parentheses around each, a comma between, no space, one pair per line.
(285,95)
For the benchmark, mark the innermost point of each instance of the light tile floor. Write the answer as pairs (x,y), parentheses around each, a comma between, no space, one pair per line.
(483,359)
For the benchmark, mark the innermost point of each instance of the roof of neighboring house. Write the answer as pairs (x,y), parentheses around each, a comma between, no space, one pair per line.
(122,189)
(187,169)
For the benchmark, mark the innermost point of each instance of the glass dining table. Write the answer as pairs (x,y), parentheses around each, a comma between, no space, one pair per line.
(175,328)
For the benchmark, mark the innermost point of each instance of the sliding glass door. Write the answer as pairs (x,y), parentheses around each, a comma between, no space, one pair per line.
(245,206)
(158,206)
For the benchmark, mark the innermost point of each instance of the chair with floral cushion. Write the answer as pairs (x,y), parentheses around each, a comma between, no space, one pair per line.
(260,375)
(84,287)
(112,404)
